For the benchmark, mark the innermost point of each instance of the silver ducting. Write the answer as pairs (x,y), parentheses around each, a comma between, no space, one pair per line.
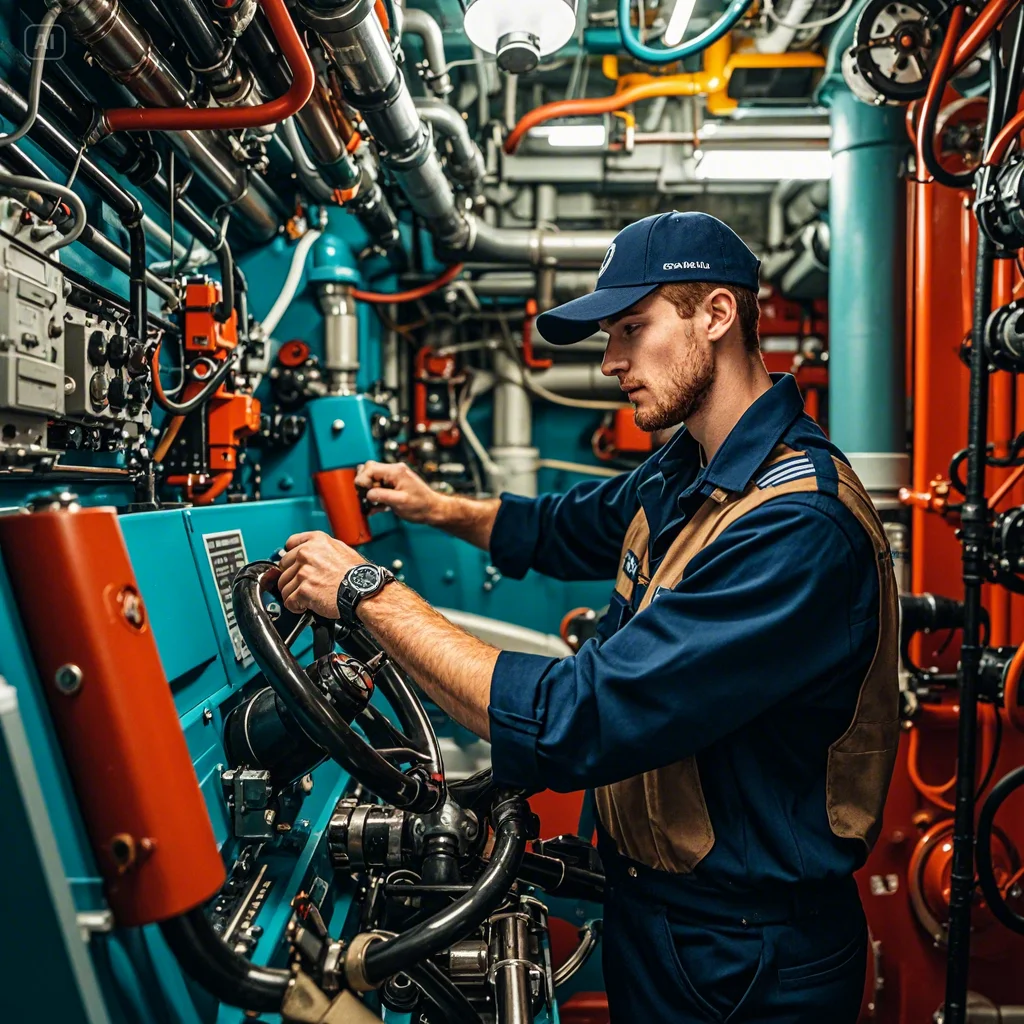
(539,248)
(418,23)
(124,50)
(354,39)
(465,161)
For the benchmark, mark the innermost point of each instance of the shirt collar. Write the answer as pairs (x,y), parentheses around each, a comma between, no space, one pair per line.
(749,443)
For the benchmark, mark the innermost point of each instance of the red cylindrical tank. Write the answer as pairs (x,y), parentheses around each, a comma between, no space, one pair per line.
(337,490)
(112,710)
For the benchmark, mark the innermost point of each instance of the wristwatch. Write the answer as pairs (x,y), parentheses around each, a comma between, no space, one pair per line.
(359,582)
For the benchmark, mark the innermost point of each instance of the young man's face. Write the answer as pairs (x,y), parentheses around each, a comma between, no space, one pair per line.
(664,363)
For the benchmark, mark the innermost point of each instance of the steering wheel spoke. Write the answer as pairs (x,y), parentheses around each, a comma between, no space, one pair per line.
(324,699)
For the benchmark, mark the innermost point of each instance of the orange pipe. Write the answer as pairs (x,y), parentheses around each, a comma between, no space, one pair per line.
(113,712)
(1000,492)
(928,790)
(984,25)
(412,294)
(936,88)
(338,494)
(169,435)
(176,119)
(221,482)
(1011,690)
(382,17)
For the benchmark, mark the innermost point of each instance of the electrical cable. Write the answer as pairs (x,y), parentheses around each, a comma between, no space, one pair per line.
(413,293)
(210,385)
(50,188)
(736,10)
(291,283)
(993,760)
(43,30)
(990,887)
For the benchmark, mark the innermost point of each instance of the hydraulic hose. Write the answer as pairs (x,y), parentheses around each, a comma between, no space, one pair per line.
(992,13)
(318,718)
(510,817)
(383,298)
(225,974)
(443,993)
(650,55)
(315,186)
(170,119)
(993,893)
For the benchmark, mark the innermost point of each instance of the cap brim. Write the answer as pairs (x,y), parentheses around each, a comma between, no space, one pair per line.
(573,321)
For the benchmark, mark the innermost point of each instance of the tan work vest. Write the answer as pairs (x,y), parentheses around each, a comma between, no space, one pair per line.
(660,818)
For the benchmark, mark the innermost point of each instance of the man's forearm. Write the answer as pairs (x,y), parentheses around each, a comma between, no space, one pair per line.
(453,667)
(469,519)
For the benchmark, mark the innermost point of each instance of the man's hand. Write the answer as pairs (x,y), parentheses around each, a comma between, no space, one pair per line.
(396,486)
(311,570)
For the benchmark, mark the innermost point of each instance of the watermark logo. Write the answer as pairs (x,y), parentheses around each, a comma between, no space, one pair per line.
(56,44)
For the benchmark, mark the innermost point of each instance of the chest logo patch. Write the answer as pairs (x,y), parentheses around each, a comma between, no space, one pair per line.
(631,566)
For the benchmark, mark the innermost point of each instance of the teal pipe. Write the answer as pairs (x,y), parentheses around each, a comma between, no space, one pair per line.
(867,277)
(733,13)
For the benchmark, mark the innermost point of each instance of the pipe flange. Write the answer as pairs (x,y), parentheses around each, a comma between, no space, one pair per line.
(340,19)
(355,962)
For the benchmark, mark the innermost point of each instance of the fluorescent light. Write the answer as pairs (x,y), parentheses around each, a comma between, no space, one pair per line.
(572,136)
(763,164)
(677,22)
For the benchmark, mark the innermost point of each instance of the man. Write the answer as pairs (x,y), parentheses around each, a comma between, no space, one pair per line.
(737,713)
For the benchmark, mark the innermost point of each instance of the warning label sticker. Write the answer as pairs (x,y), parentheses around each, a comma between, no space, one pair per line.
(226,552)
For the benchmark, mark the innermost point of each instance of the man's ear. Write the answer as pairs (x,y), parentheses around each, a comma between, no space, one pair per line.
(722,313)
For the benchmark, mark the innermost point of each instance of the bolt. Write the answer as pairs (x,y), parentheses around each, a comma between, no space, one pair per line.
(207,716)
(269,816)
(68,679)
(338,426)
(488,586)
(449,576)
(131,608)
(397,565)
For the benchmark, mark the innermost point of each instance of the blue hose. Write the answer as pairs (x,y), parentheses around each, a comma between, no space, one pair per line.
(733,13)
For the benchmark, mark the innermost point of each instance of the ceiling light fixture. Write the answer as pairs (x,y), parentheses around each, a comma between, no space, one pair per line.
(520,32)
(763,164)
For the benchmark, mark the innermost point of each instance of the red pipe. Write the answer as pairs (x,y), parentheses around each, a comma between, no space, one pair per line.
(936,88)
(177,119)
(984,25)
(382,298)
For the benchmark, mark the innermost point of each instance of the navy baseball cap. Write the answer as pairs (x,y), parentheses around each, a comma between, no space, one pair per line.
(653,251)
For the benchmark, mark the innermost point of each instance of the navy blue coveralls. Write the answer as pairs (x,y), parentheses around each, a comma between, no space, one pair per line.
(774,625)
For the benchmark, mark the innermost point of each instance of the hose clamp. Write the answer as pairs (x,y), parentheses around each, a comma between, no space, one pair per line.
(355,962)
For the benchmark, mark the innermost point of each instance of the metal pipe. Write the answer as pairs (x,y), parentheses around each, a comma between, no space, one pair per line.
(309,177)
(512,967)
(125,51)
(465,160)
(418,22)
(512,445)
(539,248)
(578,379)
(341,337)
(429,937)
(354,39)
(208,53)
(567,284)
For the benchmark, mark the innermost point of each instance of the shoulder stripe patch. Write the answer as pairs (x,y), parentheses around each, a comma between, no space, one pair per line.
(783,472)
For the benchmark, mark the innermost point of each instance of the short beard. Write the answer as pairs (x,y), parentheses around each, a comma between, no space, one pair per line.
(684,392)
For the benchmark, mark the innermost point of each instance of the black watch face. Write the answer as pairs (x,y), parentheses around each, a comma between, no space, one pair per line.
(364,578)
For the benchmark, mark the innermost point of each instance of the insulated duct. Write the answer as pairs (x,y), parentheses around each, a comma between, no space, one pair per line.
(125,51)
(354,39)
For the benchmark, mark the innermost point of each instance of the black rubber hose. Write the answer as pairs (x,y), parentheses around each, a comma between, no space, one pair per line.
(222,310)
(1007,785)
(226,975)
(443,993)
(556,877)
(430,937)
(199,399)
(311,709)
(138,296)
(412,717)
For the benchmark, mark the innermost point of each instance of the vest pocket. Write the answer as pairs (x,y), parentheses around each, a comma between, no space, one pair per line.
(860,765)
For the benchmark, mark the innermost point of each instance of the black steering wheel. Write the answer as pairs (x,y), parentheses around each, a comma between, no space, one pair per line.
(323,720)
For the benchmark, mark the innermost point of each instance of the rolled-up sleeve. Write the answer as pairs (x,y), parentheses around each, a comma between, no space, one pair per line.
(778,604)
(572,536)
